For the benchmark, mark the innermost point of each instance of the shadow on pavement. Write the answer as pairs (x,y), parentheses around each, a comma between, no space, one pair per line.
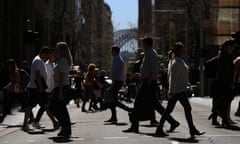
(35,131)
(121,124)
(10,126)
(231,127)
(60,139)
(149,126)
(181,140)
(49,129)
(184,140)
(117,124)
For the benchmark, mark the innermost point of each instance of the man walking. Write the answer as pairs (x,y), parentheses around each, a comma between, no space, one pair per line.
(117,78)
(146,101)
(37,85)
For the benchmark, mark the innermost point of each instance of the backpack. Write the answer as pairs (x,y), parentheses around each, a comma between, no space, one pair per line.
(211,66)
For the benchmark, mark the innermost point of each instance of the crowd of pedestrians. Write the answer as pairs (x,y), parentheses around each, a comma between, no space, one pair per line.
(223,70)
(51,84)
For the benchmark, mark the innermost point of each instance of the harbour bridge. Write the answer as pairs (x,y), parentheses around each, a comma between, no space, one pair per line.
(127,40)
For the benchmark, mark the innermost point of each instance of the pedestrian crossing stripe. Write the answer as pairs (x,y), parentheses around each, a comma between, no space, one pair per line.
(109,138)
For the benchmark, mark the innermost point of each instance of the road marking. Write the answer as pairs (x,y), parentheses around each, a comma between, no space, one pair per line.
(222,135)
(31,141)
(146,136)
(110,138)
(78,139)
(174,142)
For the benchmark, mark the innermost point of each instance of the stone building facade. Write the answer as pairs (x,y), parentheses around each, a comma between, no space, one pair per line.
(224,19)
(97,35)
(27,25)
(173,20)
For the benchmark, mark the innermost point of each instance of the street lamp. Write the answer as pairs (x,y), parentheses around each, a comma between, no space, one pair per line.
(204,14)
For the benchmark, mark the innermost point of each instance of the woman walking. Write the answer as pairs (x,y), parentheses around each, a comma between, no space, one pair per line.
(225,87)
(59,100)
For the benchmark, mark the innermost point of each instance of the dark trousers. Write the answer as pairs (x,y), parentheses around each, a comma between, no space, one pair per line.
(160,109)
(42,108)
(183,99)
(145,103)
(89,95)
(214,109)
(59,109)
(39,114)
(117,86)
(222,99)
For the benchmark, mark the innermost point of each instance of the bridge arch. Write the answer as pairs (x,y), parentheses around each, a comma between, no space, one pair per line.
(126,39)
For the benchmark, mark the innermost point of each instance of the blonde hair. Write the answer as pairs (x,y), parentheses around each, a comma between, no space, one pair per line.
(91,66)
(64,51)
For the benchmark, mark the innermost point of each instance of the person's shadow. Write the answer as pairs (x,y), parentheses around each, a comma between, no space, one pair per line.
(117,124)
(9,126)
(60,139)
(231,127)
(184,140)
(181,140)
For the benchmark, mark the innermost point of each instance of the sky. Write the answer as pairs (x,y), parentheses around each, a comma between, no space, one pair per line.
(124,13)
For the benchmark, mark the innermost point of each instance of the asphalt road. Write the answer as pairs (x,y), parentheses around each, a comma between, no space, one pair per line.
(89,128)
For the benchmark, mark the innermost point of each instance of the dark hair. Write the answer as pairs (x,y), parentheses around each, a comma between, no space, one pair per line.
(236,34)
(45,50)
(223,48)
(170,54)
(12,65)
(148,41)
(178,46)
(116,48)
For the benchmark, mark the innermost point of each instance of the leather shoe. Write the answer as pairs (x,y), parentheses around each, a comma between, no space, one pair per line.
(111,120)
(131,130)
(196,132)
(215,123)
(173,127)
(160,133)
(65,133)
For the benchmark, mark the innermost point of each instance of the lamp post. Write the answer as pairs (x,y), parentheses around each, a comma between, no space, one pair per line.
(204,14)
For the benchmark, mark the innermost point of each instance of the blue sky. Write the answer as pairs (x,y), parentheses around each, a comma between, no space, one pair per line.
(125,13)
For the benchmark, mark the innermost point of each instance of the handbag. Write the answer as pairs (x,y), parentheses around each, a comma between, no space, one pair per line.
(14,88)
(17,88)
